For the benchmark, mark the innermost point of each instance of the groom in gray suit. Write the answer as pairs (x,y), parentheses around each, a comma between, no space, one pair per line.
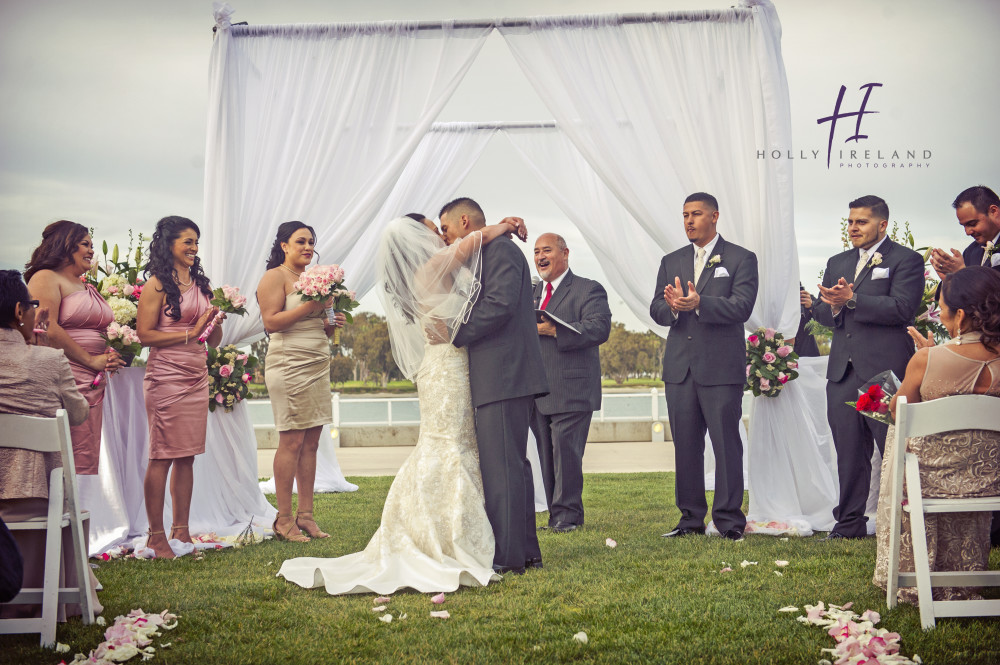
(505,374)
(561,420)
(704,364)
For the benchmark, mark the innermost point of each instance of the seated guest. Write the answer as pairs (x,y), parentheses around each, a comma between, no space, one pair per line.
(955,464)
(35,380)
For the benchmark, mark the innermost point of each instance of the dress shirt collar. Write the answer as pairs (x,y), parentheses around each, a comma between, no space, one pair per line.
(556,282)
(874,248)
(709,248)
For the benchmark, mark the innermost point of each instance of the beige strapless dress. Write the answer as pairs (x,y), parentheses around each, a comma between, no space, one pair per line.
(297,372)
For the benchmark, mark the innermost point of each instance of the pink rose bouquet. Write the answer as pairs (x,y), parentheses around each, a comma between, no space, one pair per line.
(327,283)
(229,374)
(229,301)
(770,363)
(122,339)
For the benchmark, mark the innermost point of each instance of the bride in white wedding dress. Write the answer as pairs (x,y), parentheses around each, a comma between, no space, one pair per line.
(434,535)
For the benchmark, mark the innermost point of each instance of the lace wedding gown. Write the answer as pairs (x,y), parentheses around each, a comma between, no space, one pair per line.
(434,534)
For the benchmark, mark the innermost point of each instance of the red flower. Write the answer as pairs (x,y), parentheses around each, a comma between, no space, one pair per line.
(876,392)
(864,403)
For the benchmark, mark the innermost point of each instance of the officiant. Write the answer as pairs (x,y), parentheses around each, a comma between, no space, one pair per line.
(573,321)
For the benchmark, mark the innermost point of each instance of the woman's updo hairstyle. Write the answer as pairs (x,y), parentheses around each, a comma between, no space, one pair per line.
(285,231)
(976,291)
(59,242)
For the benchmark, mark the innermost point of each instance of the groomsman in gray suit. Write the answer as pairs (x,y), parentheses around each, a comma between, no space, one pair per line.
(869,295)
(572,361)
(505,375)
(705,292)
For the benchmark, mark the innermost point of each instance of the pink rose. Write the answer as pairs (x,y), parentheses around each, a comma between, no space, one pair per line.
(128,289)
(225,370)
(783,351)
(793,365)
(769,357)
(219,398)
(754,340)
(765,385)
(246,378)
(769,334)
(748,371)
(242,357)
(783,378)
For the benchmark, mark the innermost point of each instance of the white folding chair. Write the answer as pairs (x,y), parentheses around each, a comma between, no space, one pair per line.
(959,412)
(48,435)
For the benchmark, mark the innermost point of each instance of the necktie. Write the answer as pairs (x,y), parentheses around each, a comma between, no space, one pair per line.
(699,264)
(861,263)
(548,294)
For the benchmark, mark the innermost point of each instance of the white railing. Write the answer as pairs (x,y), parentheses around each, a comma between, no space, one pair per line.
(341,404)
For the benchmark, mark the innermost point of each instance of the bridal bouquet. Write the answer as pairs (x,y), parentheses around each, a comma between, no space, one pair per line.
(122,339)
(874,397)
(327,283)
(229,301)
(770,363)
(229,374)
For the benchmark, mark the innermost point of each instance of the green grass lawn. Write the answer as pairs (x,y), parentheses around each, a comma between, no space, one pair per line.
(648,600)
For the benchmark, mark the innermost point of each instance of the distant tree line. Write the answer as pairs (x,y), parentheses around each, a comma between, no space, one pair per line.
(365,354)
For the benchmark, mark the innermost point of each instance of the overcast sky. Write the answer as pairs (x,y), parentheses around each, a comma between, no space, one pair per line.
(104,106)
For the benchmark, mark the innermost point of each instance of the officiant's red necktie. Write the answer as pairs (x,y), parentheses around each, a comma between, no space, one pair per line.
(548,294)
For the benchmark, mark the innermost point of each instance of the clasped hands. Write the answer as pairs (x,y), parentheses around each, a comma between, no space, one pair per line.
(837,295)
(518,227)
(678,302)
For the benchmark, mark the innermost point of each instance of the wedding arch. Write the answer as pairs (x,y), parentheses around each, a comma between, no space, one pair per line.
(335,125)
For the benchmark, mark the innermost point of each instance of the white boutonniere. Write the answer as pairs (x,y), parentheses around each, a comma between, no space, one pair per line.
(991,248)
(712,261)
(876,259)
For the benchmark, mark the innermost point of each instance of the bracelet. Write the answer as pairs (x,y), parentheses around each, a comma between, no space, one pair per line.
(186,332)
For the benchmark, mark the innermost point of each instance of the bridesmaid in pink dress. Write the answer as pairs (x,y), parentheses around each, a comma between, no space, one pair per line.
(54,280)
(174,311)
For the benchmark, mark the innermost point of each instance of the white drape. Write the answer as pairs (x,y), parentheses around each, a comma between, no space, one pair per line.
(664,108)
(315,122)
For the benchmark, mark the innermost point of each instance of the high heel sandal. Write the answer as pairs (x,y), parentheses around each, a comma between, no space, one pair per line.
(175,528)
(290,537)
(318,533)
(149,534)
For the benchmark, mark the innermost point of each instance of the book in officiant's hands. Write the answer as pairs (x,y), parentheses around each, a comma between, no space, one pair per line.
(541,316)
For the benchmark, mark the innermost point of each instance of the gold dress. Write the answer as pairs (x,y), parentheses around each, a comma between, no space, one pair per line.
(963,463)
(297,372)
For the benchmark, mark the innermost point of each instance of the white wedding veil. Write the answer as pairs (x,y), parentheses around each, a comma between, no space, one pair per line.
(424,284)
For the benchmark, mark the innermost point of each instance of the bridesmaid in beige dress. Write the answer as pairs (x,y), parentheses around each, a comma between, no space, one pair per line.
(963,463)
(81,316)
(297,375)
(174,310)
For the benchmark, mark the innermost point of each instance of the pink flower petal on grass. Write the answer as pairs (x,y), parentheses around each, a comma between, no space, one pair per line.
(443,614)
(745,563)
(789,608)
(847,606)
(780,564)
(378,608)
(727,569)
(381,600)
(611,543)
(438,599)
(871,615)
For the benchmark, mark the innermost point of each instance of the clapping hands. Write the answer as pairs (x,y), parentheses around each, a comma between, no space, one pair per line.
(838,294)
(674,295)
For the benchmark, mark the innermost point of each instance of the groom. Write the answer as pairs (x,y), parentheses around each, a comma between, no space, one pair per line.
(505,374)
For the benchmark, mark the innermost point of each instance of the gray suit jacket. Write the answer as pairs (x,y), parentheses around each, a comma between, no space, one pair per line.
(573,361)
(710,344)
(504,357)
(873,336)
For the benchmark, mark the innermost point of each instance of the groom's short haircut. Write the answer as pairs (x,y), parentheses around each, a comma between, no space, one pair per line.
(702,197)
(878,206)
(465,206)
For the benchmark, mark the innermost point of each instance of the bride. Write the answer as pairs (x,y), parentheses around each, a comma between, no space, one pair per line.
(434,534)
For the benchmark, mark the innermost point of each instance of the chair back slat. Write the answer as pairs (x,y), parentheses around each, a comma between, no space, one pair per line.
(29,433)
(958,412)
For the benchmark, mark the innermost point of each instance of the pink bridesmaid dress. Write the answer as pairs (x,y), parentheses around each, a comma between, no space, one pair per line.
(176,386)
(85,315)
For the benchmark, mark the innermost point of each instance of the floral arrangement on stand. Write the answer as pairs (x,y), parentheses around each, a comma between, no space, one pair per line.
(120,285)
(327,282)
(770,363)
(229,373)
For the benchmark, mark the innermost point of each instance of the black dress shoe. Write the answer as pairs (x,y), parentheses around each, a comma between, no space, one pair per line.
(533,563)
(735,535)
(503,570)
(564,527)
(836,535)
(684,531)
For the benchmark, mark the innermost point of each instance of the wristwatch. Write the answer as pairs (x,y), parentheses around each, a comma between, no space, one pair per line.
(851,304)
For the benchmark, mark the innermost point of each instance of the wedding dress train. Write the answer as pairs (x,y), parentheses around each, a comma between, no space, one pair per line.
(434,534)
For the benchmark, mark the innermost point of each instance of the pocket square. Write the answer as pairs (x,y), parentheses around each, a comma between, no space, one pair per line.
(995,260)
(720,272)
(880,273)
